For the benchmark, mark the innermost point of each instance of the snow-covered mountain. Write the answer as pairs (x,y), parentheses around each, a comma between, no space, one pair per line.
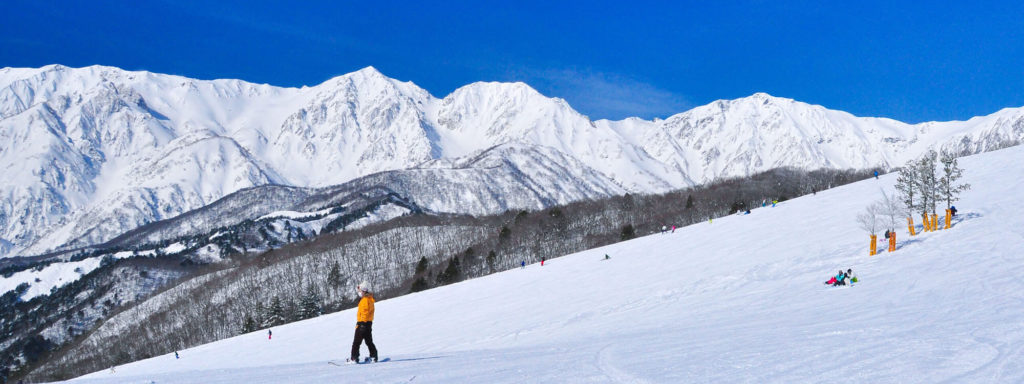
(90,153)
(742,305)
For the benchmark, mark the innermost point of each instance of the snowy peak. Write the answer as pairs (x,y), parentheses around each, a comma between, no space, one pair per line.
(493,113)
(94,145)
(760,132)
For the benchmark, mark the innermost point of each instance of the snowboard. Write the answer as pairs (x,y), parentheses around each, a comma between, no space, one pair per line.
(848,285)
(367,360)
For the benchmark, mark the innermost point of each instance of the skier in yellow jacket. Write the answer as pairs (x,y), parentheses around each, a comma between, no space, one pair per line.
(364,323)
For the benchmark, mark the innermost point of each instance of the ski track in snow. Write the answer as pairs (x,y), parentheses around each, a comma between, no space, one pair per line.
(737,301)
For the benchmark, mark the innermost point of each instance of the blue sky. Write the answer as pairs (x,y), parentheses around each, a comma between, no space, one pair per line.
(915,61)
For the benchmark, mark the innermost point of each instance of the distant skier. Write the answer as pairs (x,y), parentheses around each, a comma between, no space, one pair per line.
(764,202)
(270,334)
(176,355)
(876,175)
(364,323)
(851,276)
(952,210)
(673,229)
(664,229)
(542,261)
(774,202)
(886,233)
(606,257)
(522,264)
(747,212)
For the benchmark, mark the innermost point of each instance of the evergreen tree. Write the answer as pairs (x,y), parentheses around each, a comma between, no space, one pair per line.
(949,190)
(419,285)
(249,324)
(422,265)
(492,259)
(906,185)
(334,276)
(926,184)
(275,313)
(260,313)
(309,306)
(627,232)
(450,274)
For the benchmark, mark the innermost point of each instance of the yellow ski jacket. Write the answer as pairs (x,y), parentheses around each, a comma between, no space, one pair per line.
(365,313)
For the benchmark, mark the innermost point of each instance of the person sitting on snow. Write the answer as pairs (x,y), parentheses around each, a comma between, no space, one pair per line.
(839,278)
(835,279)
(851,276)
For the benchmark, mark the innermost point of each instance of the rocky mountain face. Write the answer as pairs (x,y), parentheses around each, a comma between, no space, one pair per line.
(88,154)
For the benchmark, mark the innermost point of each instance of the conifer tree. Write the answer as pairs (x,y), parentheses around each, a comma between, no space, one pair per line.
(422,265)
(309,306)
(249,324)
(450,274)
(906,185)
(627,232)
(334,276)
(949,190)
(492,259)
(926,184)
(419,285)
(275,313)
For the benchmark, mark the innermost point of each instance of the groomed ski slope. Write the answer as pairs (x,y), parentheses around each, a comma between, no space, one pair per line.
(739,300)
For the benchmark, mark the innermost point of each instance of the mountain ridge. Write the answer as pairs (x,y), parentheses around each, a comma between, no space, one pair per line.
(93,152)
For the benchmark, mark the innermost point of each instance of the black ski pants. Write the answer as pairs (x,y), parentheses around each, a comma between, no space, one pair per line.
(364,331)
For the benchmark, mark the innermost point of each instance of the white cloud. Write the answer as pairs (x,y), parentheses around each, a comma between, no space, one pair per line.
(603,95)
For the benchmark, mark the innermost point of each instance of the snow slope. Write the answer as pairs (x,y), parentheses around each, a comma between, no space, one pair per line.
(737,300)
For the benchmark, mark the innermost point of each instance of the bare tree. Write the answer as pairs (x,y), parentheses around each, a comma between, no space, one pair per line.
(869,219)
(891,208)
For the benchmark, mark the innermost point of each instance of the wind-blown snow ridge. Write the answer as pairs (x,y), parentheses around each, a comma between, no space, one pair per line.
(737,300)
(90,153)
